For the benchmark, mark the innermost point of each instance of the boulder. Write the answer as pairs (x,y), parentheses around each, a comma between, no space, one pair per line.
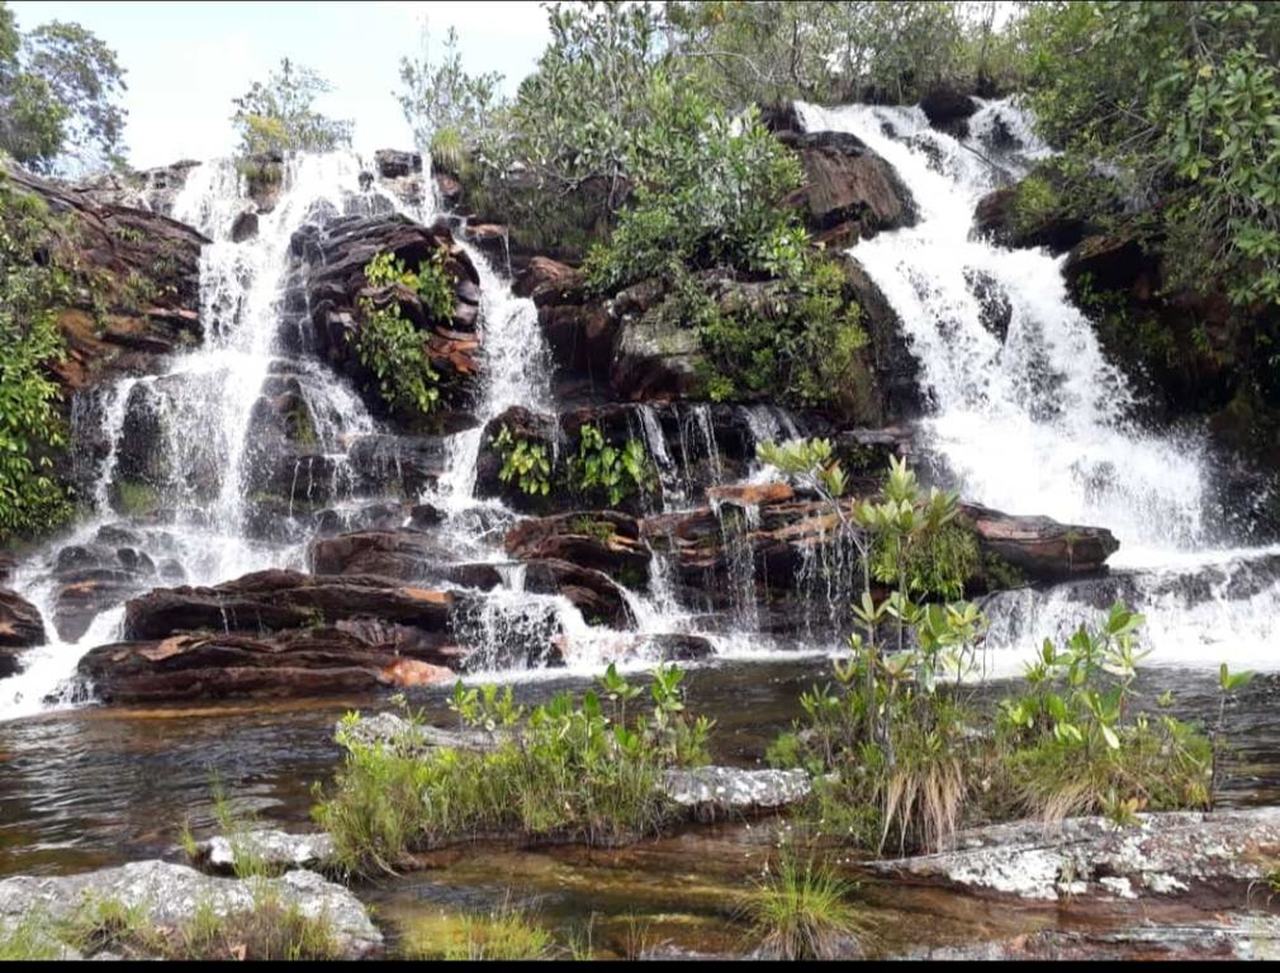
(167,896)
(1178,854)
(656,355)
(592,592)
(849,192)
(406,555)
(276,599)
(1041,548)
(277,851)
(307,662)
(245,226)
(337,257)
(21,627)
(1111,262)
(603,540)
(146,298)
(521,424)
(388,730)
(896,369)
(395,164)
(948,110)
(716,792)
(548,282)
(996,218)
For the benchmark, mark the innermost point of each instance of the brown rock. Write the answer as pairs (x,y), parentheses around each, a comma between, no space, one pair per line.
(548,282)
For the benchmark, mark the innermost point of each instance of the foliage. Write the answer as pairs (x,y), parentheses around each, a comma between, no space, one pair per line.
(502,934)
(448,109)
(30,938)
(574,118)
(616,472)
(941,564)
(277,115)
(1072,742)
(581,770)
(772,51)
(389,345)
(707,185)
(1182,101)
(523,461)
(803,913)
(431,281)
(31,426)
(59,96)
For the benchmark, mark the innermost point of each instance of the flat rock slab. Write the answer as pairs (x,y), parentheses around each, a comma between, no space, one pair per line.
(278,851)
(1163,854)
(1242,936)
(724,790)
(170,894)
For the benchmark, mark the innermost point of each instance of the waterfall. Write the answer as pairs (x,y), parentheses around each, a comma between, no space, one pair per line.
(1036,421)
(195,417)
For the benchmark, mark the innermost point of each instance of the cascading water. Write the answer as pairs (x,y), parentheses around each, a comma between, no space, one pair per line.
(198,414)
(1035,420)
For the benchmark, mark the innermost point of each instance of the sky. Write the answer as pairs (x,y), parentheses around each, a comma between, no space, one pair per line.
(184,62)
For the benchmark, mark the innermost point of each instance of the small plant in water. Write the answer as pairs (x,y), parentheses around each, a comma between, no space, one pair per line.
(802,912)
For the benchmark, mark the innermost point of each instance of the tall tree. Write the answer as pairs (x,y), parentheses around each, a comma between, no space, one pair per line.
(277,115)
(59,91)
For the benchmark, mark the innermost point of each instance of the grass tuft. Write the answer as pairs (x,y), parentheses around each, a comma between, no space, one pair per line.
(802,912)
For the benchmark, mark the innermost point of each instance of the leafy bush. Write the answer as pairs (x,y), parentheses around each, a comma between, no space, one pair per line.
(803,913)
(1071,744)
(617,473)
(277,115)
(582,771)
(389,345)
(31,426)
(1182,102)
(524,462)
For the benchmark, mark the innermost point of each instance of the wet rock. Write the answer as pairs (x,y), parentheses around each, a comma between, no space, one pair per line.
(85,593)
(1041,548)
(1166,854)
(720,791)
(948,110)
(308,662)
(677,647)
(521,424)
(655,353)
(245,226)
(849,193)
(996,311)
(996,217)
(1111,262)
(277,851)
(275,599)
(406,555)
(1241,936)
(404,465)
(395,164)
(426,515)
(389,730)
(338,256)
(490,239)
(751,494)
(168,896)
(603,539)
(592,592)
(21,627)
(548,282)
(148,299)
(897,370)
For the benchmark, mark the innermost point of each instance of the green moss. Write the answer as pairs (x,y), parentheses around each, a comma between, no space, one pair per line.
(601,530)
(504,934)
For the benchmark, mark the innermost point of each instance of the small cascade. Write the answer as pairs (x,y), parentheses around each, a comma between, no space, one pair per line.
(1034,419)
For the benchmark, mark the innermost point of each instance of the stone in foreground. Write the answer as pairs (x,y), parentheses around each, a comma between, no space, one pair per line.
(715,791)
(170,894)
(277,851)
(1164,854)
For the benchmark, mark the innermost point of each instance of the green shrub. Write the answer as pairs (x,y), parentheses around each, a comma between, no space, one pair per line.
(393,349)
(31,427)
(942,564)
(569,772)
(503,934)
(617,473)
(523,461)
(803,913)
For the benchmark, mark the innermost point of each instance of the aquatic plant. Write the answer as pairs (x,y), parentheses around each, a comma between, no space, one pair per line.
(504,933)
(802,912)
(575,769)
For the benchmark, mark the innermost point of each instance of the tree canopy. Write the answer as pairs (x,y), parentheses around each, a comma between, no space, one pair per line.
(59,96)
(276,115)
